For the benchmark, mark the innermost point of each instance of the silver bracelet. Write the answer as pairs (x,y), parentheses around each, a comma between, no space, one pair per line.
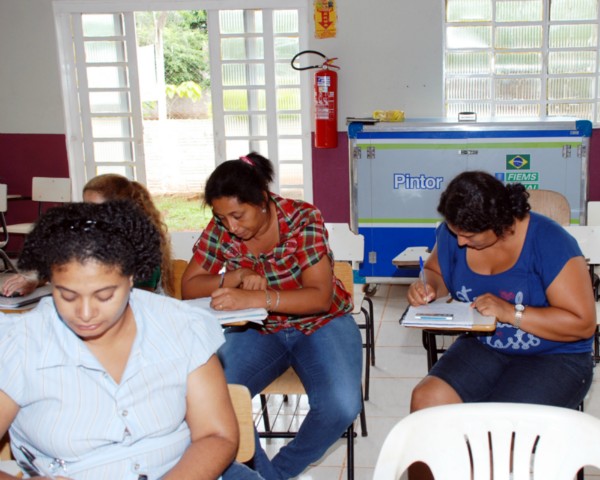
(268,297)
(276,300)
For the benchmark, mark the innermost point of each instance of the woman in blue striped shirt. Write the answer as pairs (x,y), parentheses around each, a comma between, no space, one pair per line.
(104,380)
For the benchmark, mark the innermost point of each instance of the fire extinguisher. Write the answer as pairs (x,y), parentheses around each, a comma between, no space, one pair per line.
(325,90)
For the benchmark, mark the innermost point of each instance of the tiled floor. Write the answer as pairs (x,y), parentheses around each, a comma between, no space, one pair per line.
(400,364)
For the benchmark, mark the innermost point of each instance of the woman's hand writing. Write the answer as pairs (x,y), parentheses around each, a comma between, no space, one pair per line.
(420,293)
(237,299)
(18,284)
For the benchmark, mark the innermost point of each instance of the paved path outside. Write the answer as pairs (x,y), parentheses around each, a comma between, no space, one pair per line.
(179,155)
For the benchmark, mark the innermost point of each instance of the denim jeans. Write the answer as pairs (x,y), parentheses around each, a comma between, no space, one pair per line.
(239,471)
(329,364)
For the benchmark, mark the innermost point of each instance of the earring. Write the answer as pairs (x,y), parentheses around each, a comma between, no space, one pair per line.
(264,210)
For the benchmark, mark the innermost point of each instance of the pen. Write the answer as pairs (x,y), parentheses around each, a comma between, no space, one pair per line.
(36,464)
(422,273)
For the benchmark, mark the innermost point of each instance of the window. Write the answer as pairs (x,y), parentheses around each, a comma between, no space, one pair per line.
(258,102)
(517,58)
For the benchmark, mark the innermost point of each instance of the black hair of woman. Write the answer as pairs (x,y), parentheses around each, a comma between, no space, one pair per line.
(116,233)
(476,201)
(246,179)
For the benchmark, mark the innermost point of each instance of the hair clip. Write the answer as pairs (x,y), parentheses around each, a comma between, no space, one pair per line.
(82,225)
(247,160)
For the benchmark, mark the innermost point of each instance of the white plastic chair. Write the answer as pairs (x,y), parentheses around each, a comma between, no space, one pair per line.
(44,189)
(500,440)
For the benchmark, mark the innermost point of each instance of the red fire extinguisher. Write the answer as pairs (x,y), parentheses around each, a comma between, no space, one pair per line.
(325,100)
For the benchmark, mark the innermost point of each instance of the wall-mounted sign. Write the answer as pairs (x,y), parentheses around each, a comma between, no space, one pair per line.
(325,18)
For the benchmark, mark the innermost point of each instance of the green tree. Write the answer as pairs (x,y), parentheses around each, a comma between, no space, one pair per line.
(185,44)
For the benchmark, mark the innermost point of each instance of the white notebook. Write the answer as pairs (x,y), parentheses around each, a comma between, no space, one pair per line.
(23,300)
(254,315)
(447,313)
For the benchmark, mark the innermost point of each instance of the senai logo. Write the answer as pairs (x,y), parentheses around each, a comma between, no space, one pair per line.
(517,162)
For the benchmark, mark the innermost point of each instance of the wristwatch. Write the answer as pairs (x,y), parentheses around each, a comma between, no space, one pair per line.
(519,310)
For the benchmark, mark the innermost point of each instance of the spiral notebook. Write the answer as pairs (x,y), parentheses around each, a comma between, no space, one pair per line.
(447,313)
(253,315)
(23,300)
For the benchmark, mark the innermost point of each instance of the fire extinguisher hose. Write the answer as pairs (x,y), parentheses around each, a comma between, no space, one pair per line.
(326,64)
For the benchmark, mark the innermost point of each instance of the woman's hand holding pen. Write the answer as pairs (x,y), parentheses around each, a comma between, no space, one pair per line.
(420,293)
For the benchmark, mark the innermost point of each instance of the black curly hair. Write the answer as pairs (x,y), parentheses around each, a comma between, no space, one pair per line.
(476,201)
(246,179)
(116,233)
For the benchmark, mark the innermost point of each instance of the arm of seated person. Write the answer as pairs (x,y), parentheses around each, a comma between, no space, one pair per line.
(213,426)
(20,284)
(315,295)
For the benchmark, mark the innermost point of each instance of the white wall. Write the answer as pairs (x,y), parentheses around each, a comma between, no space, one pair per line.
(390,53)
(30,90)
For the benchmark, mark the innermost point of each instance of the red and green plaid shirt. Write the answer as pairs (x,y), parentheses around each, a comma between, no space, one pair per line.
(302,243)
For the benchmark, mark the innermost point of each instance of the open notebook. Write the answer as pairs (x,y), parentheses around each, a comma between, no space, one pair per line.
(448,314)
(254,315)
(23,300)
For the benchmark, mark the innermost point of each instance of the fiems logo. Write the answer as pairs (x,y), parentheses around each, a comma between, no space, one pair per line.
(518,162)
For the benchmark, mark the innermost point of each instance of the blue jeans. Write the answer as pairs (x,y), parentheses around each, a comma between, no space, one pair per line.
(329,364)
(239,471)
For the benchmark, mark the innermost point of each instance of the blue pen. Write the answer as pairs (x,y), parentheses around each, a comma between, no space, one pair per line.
(422,274)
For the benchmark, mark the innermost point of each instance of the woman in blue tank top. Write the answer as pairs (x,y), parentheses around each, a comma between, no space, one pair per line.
(528,272)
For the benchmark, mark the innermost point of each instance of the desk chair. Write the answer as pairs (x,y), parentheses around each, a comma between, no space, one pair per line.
(178,266)
(349,247)
(8,265)
(551,204)
(289,384)
(502,441)
(242,404)
(44,189)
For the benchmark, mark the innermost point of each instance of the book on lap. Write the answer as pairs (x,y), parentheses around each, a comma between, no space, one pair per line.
(447,314)
(253,315)
(25,300)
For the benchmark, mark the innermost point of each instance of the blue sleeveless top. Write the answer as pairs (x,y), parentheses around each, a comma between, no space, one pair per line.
(546,250)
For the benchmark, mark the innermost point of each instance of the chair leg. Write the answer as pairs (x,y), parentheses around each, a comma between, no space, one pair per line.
(371,329)
(265,412)
(363,420)
(7,261)
(368,352)
(350,439)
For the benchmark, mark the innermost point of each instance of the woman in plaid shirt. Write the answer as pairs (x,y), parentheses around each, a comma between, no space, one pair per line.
(262,250)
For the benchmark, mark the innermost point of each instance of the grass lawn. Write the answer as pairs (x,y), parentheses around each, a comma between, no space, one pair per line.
(182,212)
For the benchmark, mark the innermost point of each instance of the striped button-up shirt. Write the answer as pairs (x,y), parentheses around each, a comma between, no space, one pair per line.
(76,419)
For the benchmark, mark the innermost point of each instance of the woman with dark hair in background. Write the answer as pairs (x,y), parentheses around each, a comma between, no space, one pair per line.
(263,250)
(108,187)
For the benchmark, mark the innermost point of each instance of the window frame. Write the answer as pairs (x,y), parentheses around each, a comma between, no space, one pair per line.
(76,141)
(544,103)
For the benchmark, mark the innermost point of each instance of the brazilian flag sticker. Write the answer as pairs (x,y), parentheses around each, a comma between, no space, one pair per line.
(518,162)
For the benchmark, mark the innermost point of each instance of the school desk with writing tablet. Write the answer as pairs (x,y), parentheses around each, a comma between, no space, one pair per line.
(444,315)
